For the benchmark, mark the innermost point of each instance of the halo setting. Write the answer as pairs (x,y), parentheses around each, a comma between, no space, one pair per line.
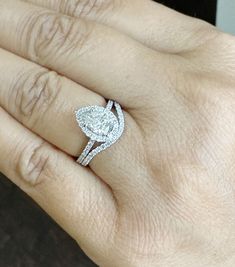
(100,125)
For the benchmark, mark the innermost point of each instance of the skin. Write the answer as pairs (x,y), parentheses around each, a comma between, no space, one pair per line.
(164,195)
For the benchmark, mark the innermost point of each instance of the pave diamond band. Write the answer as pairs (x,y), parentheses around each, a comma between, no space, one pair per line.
(100,125)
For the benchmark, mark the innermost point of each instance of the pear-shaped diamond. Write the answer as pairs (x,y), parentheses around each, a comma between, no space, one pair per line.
(97,123)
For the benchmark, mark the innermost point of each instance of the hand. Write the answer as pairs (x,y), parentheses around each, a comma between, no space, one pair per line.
(164,195)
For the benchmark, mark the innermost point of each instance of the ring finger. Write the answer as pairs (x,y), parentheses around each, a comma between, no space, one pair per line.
(45,102)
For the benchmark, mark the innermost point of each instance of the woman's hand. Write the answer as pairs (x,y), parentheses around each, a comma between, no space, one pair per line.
(164,195)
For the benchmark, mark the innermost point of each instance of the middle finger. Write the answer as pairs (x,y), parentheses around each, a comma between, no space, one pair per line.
(94,55)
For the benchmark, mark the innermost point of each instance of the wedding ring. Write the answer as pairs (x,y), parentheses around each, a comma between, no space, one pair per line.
(102,126)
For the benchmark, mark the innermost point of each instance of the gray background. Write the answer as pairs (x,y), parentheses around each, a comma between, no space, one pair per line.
(226,15)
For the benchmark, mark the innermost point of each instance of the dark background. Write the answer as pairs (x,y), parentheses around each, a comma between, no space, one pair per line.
(204,9)
(28,237)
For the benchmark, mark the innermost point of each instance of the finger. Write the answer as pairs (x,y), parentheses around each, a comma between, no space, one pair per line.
(44,101)
(78,200)
(101,59)
(149,22)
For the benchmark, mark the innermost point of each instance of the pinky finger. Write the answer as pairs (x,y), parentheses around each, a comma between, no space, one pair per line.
(72,195)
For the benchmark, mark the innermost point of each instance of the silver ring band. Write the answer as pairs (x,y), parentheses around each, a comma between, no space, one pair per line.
(100,125)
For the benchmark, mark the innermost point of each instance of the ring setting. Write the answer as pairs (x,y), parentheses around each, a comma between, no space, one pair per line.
(100,125)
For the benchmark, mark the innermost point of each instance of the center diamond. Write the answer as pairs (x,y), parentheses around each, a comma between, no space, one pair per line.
(97,123)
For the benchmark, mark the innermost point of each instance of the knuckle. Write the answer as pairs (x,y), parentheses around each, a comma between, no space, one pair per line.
(222,53)
(51,34)
(210,100)
(34,95)
(217,39)
(34,164)
(197,36)
(90,8)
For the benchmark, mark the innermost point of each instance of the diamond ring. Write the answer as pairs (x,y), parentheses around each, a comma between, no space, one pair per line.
(100,125)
